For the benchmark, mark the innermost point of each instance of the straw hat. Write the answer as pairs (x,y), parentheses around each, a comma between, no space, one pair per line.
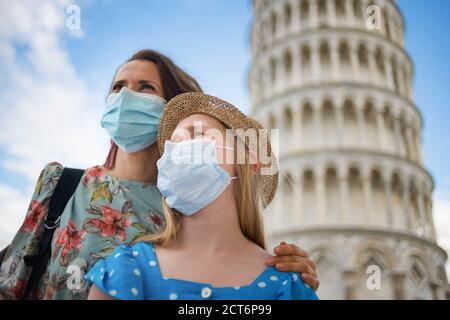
(186,104)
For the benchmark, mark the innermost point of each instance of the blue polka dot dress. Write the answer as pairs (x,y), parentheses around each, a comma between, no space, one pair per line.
(133,273)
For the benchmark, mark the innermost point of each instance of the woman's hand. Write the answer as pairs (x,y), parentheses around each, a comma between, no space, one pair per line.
(290,258)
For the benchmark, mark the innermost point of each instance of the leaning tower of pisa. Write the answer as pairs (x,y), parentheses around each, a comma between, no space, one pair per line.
(353,189)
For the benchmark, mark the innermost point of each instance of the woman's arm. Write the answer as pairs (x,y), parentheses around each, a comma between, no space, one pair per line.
(290,258)
(97,294)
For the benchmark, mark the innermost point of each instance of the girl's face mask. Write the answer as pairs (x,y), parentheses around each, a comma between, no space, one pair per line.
(132,119)
(189,176)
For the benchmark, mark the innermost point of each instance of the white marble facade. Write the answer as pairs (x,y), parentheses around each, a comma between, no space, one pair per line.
(353,189)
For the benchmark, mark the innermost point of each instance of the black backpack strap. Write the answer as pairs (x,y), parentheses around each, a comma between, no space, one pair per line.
(67,184)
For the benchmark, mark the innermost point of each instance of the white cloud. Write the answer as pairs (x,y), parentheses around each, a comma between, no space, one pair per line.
(46,112)
(13,205)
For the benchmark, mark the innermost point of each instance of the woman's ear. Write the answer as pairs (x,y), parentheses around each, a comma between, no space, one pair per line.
(254,160)
(255,167)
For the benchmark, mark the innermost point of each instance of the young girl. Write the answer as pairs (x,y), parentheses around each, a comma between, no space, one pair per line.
(212,246)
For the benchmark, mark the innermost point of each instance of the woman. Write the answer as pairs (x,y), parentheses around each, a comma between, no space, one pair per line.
(213,246)
(114,203)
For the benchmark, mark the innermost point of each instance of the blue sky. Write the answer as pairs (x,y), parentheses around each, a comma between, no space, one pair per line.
(56,80)
(428,43)
(208,38)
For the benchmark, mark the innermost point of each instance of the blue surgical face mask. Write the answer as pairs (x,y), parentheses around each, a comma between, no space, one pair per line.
(189,176)
(132,119)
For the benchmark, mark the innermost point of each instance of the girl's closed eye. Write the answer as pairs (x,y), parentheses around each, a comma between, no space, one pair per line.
(176,139)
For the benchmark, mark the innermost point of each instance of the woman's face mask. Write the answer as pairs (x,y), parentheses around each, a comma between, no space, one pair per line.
(132,119)
(189,176)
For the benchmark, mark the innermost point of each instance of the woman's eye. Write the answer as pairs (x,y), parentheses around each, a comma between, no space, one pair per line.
(117,87)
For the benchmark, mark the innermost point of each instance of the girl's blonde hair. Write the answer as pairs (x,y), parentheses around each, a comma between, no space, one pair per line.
(248,202)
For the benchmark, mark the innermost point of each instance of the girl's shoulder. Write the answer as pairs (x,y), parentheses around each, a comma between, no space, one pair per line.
(137,252)
(141,247)
(290,286)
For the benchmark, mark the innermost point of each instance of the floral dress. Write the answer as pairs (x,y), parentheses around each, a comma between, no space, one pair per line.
(103,213)
(133,273)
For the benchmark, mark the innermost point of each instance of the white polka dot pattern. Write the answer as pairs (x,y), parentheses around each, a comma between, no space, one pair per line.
(173,296)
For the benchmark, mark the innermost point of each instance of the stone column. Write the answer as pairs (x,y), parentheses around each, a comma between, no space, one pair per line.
(320,196)
(388,195)
(265,40)
(373,66)
(423,218)
(277,26)
(317,110)
(315,62)
(339,109)
(408,217)
(266,82)
(296,66)
(361,123)
(418,148)
(354,61)
(401,84)
(409,85)
(364,14)
(367,187)
(389,76)
(412,148)
(350,17)
(398,285)
(398,137)
(434,287)
(296,16)
(335,64)
(429,210)
(344,194)
(313,13)
(351,281)
(297,126)
(381,128)
(282,77)
(298,194)
(331,11)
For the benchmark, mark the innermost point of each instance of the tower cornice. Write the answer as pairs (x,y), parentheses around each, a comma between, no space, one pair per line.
(337,84)
(287,156)
(311,31)
(361,230)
